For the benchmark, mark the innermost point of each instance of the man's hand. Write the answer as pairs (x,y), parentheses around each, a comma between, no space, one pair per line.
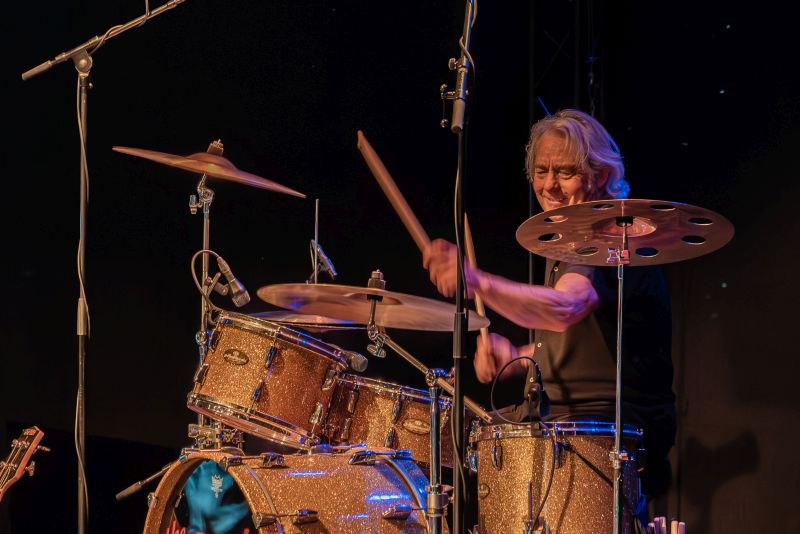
(491,357)
(440,259)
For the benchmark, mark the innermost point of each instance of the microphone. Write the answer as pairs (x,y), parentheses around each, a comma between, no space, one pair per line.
(356,361)
(324,260)
(239,294)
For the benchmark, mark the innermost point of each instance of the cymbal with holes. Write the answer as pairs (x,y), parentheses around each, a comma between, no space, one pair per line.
(352,303)
(658,231)
(210,165)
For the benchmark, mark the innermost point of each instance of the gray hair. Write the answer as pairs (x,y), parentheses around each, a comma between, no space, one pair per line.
(589,143)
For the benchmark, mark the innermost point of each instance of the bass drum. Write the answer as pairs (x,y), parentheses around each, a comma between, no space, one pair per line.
(376,490)
(515,463)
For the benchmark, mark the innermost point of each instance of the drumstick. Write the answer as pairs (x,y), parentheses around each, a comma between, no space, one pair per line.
(393,193)
(469,247)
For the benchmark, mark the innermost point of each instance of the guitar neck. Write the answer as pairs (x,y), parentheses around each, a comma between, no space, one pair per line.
(22,450)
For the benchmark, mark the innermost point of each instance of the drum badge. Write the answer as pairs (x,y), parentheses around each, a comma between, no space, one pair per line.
(235,356)
(216,485)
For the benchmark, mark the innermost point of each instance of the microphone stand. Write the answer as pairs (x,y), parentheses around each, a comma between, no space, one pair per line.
(82,59)
(459,98)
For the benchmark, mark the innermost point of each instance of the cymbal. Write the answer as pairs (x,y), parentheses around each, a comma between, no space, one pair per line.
(351,303)
(210,165)
(659,232)
(312,323)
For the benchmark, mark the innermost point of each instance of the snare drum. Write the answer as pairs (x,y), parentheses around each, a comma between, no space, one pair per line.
(514,466)
(266,379)
(382,414)
(380,491)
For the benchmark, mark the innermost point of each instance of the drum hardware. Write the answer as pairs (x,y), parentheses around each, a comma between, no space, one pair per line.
(272,460)
(136,486)
(437,498)
(215,436)
(369,457)
(299,517)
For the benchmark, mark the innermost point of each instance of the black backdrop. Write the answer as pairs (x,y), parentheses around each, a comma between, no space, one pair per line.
(703,100)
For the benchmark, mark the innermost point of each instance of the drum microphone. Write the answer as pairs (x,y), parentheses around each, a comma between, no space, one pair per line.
(324,260)
(239,294)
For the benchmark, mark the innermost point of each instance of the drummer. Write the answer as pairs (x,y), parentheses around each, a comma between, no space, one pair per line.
(571,158)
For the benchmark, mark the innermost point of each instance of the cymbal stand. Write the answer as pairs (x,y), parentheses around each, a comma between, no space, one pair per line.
(436,380)
(621,257)
(437,497)
(203,199)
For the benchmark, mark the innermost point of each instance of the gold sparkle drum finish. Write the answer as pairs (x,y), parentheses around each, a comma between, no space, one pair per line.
(266,379)
(377,490)
(514,467)
(382,414)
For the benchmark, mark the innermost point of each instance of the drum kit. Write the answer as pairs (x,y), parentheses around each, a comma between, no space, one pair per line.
(347,453)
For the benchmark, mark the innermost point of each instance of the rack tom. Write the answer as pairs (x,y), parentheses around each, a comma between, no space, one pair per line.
(267,380)
(383,414)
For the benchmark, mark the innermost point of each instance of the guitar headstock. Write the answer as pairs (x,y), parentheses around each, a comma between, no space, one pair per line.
(18,460)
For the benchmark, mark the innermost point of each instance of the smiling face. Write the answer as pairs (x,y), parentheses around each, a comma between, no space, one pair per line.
(558,179)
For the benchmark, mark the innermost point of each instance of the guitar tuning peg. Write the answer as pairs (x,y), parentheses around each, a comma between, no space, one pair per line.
(30,468)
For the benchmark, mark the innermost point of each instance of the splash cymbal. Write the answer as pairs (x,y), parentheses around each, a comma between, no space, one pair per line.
(210,165)
(352,303)
(658,232)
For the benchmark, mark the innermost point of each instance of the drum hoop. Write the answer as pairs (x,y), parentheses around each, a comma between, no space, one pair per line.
(390,389)
(562,428)
(284,333)
(279,431)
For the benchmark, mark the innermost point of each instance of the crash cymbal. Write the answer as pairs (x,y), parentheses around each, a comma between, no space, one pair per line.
(311,323)
(210,165)
(350,303)
(659,232)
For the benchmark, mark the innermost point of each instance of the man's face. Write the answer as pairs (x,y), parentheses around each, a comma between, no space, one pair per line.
(557,179)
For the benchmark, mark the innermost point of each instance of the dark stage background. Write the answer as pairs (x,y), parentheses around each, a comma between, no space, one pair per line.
(702,98)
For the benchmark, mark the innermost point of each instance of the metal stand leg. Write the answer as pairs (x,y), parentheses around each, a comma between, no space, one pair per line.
(437,498)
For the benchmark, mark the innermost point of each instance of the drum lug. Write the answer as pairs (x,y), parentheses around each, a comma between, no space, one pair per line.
(261,519)
(330,379)
(270,355)
(304,516)
(200,374)
(152,500)
(230,461)
(497,454)
(396,408)
(345,434)
(271,460)
(213,339)
(259,389)
(352,400)
(390,437)
(316,417)
(368,457)
(398,512)
(539,527)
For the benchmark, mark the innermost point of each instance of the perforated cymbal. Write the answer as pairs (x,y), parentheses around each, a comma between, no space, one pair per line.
(210,165)
(352,303)
(659,232)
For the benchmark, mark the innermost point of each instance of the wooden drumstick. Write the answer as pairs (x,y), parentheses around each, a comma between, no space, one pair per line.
(393,193)
(469,247)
